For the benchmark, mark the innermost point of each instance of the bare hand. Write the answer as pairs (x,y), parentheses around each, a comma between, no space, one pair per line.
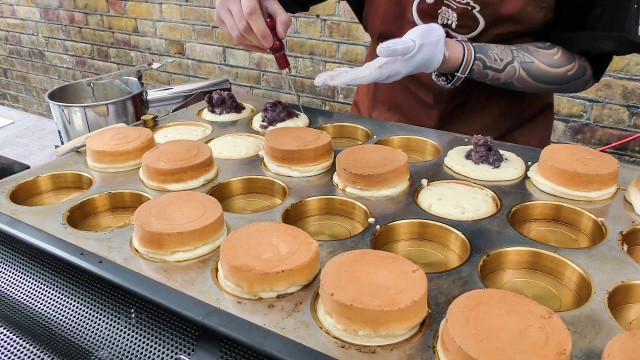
(244,21)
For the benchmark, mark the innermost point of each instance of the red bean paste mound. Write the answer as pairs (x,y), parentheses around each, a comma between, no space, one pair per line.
(275,112)
(221,102)
(483,151)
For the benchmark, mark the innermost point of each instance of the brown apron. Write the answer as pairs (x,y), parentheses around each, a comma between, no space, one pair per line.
(473,107)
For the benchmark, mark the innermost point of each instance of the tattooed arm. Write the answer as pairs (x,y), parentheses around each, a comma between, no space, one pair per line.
(535,67)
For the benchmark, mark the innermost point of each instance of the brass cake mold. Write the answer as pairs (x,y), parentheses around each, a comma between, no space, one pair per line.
(433,246)
(418,149)
(605,263)
(328,218)
(548,278)
(51,188)
(496,199)
(558,224)
(250,194)
(106,211)
(206,127)
(363,348)
(344,135)
(629,241)
(623,304)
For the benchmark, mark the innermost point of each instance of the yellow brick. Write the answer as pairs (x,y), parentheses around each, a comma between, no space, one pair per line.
(14,24)
(93,5)
(346,31)
(242,76)
(180,66)
(175,31)
(44,29)
(171,12)
(120,24)
(571,108)
(311,47)
(27,13)
(354,54)
(623,91)
(309,27)
(204,52)
(629,64)
(309,68)
(197,14)
(205,34)
(175,47)
(143,10)
(327,8)
(610,115)
(237,57)
(272,95)
(95,20)
(223,39)
(206,70)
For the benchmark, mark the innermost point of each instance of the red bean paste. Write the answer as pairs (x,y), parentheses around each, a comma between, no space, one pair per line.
(275,112)
(222,102)
(483,151)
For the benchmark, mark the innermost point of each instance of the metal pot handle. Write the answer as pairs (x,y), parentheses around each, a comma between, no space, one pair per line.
(172,95)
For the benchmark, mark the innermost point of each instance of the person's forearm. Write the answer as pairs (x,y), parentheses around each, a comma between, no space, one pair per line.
(535,67)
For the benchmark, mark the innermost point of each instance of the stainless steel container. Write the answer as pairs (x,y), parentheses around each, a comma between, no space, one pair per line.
(81,107)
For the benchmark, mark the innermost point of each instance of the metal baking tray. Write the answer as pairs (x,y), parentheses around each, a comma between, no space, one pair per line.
(593,286)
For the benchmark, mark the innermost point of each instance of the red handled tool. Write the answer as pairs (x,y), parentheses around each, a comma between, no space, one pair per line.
(277,50)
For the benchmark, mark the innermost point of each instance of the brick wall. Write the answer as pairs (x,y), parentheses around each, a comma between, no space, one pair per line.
(44,43)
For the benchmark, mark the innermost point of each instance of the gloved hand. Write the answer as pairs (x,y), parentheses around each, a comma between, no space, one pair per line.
(421,49)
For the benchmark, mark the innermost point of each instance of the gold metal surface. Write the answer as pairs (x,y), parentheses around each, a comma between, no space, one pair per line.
(550,279)
(623,304)
(328,217)
(629,240)
(557,224)
(250,194)
(105,212)
(206,127)
(49,189)
(418,149)
(314,313)
(433,246)
(345,135)
(494,197)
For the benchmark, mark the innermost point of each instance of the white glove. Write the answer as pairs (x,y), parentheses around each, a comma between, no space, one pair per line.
(421,49)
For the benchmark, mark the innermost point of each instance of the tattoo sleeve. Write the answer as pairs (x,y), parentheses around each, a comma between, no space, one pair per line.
(535,67)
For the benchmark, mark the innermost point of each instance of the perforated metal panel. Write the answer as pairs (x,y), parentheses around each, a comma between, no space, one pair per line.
(49,309)
(232,351)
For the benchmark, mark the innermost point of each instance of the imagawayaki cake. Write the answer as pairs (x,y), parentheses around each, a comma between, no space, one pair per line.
(297,151)
(632,194)
(118,148)
(178,226)
(624,346)
(575,172)
(372,170)
(267,260)
(178,165)
(489,324)
(372,297)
